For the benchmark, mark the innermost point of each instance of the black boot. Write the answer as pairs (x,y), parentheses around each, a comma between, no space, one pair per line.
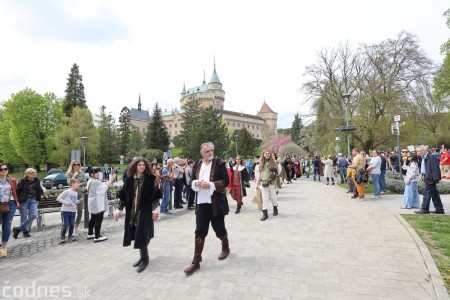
(195,265)
(144,260)
(238,209)
(225,247)
(265,215)
(275,210)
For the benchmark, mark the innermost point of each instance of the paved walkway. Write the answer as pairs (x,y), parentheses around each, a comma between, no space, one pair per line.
(323,245)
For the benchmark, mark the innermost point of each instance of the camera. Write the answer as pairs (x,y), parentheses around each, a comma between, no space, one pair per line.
(116,170)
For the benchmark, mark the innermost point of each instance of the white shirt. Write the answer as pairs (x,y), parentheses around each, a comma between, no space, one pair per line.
(204,195)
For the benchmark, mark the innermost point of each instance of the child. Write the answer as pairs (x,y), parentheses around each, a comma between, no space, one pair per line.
(69,200)
(350,182)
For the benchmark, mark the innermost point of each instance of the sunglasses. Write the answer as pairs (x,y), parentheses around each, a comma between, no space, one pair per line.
(75,164)
(3,169)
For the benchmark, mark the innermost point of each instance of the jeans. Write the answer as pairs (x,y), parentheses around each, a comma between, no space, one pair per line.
(316,171)
(342,173)
(28,212)
(166,197)
(376,183)
(7,220)
(430,192)
(383,181)
(68,220)
(411,195)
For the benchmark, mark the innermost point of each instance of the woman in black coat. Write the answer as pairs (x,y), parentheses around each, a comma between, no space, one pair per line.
(139,195)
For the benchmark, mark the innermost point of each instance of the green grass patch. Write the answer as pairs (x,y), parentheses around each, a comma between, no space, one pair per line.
(435,233)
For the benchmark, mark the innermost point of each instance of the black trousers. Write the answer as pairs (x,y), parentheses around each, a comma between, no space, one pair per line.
(203,217)
(178,184)
(430,192)
(95,223)
(191,196)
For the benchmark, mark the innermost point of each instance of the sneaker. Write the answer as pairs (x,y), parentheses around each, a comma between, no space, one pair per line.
(360,199)
(100,239)
(72,238)
(422,212)
(438,212)
(382,193)
(62,240)
(3,253)
(90,236)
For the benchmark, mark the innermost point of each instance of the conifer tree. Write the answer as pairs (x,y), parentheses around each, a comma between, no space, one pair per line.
(124,130)
(74,91)
(157,136)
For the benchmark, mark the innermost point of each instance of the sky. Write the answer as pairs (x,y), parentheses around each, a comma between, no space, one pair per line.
(260,47)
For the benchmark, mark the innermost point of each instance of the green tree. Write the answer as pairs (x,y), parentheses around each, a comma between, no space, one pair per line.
(7,152)
(157,136)
(124,130)
(246,144)
(33,120)
(211,128)
(441,81)
(74,91)
(191,117)
(109,148)
(68,137)
(296,129)
(136,140)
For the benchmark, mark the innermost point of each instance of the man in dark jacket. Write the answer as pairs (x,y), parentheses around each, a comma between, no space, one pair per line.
(209,180)
(431,174)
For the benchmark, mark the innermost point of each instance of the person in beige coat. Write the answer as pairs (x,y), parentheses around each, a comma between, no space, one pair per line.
(328,172)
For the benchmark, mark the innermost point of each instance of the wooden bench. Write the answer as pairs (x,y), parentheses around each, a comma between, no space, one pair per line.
(46,205)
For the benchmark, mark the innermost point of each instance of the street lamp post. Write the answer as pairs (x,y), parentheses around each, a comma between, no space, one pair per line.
(84,140)
(236,138)
(346,100)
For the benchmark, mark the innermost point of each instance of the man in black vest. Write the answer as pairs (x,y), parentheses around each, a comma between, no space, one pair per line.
(209,180)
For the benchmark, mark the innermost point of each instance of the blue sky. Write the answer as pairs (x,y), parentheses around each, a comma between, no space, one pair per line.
(127,48)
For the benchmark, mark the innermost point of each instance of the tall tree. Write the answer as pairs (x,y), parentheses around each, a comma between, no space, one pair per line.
(68,137)
(442,78)
(157,135)
(136,140)
(296,129)
(32,119)
(109,148)
(124,130)
(191,116)
(74,91)
(7,152)
(246,143)
(212,128)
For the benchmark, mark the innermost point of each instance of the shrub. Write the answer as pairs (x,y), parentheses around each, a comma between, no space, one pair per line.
(397,185)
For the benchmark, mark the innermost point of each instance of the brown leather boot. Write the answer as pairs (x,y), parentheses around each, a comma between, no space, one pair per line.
(225,247)
(195,265)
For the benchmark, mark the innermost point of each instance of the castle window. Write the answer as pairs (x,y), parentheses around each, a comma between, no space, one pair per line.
(239,124)
(234,124)
(248,126)
(176,125)
(253,135)
(170,125)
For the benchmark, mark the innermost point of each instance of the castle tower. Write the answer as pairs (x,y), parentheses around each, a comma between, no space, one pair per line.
(269,116)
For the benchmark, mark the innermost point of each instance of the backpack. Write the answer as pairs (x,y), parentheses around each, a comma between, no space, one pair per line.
(361,176)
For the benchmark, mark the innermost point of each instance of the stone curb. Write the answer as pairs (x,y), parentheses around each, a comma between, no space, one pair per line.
(436,279)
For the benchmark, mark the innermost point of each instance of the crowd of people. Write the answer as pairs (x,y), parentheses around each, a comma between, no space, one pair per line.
(203,185)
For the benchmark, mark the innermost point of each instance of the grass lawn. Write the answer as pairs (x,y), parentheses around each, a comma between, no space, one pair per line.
(435,233)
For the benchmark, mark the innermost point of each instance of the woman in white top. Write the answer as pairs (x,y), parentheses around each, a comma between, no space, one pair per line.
(97,203)
(411,194)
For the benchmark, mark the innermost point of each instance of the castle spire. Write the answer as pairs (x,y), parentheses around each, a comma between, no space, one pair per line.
(214,77)
(139,103)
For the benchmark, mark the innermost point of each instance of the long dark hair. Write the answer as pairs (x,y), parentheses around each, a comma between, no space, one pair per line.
(415,159)
(132,167)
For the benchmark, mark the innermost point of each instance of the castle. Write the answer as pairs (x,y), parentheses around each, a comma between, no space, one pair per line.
(211,95)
